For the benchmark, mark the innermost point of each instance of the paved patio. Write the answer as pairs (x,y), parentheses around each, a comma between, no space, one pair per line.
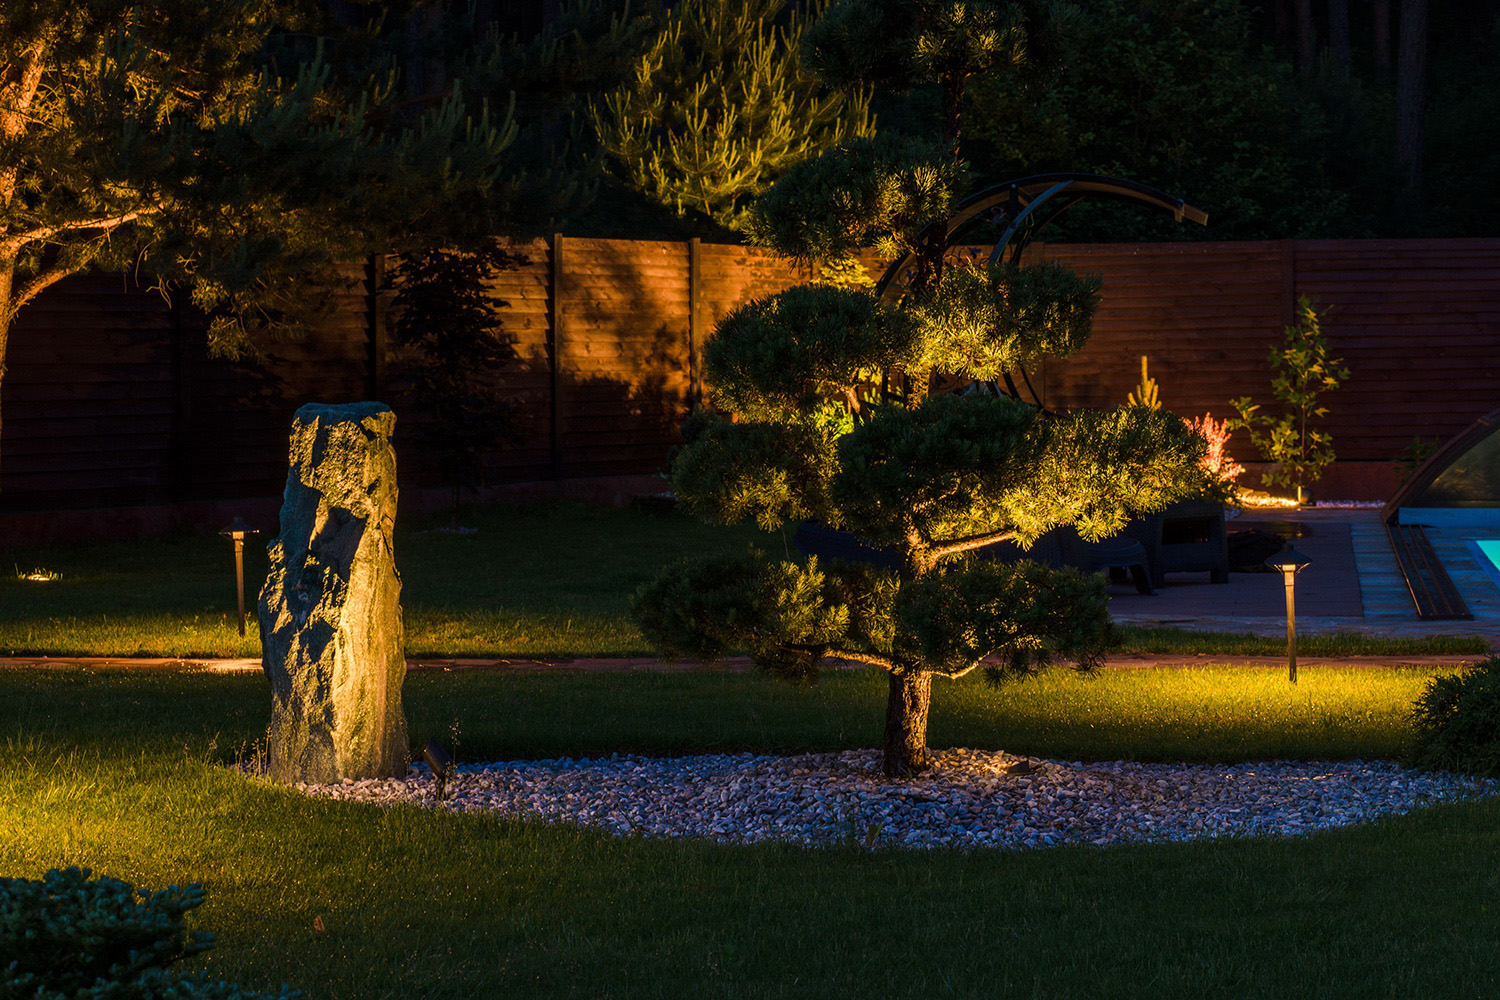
(1352,585)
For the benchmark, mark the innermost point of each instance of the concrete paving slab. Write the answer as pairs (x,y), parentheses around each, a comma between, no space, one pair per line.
(1353,585)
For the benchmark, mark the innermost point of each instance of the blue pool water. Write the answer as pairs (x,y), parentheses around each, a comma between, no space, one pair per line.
(1487,553)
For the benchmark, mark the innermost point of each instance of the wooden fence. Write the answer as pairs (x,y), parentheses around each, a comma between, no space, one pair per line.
(110,398)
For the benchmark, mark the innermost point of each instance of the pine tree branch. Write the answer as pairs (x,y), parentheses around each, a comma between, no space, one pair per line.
(41,283)
(972,542)
(106,224)
(956,672)
(873,659)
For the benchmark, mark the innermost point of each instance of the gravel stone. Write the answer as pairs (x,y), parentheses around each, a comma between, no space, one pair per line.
(970,798)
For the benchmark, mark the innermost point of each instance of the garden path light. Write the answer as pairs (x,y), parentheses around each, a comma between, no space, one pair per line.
(1290,562)
(237,530)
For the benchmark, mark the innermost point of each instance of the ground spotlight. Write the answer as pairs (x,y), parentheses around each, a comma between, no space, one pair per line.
(436,758)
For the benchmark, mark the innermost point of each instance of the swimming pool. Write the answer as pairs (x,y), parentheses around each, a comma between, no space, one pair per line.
(1486,553)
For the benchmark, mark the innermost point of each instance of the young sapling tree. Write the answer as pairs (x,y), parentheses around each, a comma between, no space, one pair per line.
(1304,370)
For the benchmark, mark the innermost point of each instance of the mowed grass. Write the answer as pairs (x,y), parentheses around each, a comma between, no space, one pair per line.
(121,771)
(550,580)
(1210,714)
(545,580)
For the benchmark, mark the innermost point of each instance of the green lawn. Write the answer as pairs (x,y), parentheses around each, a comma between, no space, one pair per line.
(551,580)
(121,771)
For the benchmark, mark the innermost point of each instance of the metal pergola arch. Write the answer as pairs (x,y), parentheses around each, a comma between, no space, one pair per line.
(1023,207)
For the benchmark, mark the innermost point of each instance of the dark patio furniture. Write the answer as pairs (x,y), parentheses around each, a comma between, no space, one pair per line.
(1186,537)
(1119,555)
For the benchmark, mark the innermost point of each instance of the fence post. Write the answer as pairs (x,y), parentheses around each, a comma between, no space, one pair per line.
(1288,282)
(695,329)
(555,354)
(375,311)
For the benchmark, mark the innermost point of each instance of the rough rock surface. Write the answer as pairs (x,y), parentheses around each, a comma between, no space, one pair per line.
(971,798)
(330,613)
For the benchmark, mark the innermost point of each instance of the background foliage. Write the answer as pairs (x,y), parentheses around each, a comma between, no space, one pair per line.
(1205,100)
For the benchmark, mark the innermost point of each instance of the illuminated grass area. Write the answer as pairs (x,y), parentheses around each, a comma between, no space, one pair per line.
(120,772)
(541,581)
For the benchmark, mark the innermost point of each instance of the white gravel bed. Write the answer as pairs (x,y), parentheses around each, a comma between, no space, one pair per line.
(971,798)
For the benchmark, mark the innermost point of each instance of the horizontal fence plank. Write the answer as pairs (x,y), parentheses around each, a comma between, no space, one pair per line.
(111,398)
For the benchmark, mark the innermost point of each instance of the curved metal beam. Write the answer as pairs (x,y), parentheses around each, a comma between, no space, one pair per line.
(1012,203)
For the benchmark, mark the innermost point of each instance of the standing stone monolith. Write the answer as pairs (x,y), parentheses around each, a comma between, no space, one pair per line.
(331,634)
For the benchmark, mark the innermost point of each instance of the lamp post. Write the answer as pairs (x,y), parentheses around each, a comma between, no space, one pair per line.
(237,530)
(1290,562)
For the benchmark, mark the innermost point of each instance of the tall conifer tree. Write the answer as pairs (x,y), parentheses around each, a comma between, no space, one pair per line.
(234,148)
(720,106)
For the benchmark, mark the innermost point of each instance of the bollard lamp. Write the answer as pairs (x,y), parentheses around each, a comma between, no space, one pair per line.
(1290,562)
(236,531)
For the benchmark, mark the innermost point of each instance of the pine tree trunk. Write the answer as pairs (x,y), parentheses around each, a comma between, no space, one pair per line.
(1338,36)
(1411,100)
(1307,38)
(7,285)
(1380,29)
(906,724)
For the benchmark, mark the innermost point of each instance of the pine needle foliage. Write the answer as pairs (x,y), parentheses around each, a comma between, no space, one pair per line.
(238,152)
(71,936)
(873,193)
(998,318)
(719,106)
(906,43)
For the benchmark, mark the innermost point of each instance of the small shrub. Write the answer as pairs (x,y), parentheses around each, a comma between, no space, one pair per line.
(67,936)
(1457,722)
(1216,460)
(1414,454)
(1145,393)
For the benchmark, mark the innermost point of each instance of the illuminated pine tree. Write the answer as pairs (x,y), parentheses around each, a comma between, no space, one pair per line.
(719,107)
(834,421)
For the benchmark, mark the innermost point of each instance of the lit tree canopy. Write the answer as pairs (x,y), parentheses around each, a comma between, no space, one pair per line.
(878,192)
(719,106)
(236,148)
(825,430)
